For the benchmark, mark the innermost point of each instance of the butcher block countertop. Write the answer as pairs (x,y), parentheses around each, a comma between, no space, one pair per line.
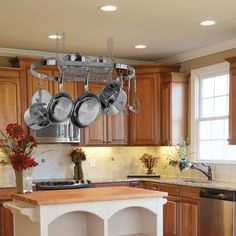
(86,195)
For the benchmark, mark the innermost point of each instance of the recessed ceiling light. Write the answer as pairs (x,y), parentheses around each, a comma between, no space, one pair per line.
(54,36)
(108,8)
(207,22)
(140,46)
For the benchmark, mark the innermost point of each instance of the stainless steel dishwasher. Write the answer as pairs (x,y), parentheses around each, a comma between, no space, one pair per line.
(217,213)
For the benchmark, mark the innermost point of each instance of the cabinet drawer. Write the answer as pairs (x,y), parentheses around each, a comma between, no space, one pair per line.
(189,192)
(170,188)
(152,186)
(136,184)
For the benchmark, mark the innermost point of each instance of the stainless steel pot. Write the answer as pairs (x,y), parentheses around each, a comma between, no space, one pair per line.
(113,99)
(86,108)
(60,106)
(36,117)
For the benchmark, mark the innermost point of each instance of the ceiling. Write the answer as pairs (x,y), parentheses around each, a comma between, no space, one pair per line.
(166,27)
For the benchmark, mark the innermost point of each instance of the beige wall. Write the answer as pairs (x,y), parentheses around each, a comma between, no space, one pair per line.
(187,66)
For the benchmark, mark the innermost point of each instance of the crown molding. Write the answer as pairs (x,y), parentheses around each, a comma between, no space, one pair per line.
(11,52)
(215,48)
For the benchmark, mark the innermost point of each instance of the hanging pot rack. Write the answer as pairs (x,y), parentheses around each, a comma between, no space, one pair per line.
(75,68)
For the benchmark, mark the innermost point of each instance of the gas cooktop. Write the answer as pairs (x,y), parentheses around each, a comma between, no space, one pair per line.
(59,185)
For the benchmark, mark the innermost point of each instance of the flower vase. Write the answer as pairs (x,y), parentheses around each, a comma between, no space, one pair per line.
(150,171)
(19,181)
(24,181)
(78,171)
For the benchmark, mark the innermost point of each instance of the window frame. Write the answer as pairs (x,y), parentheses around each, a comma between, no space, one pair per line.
(195,106)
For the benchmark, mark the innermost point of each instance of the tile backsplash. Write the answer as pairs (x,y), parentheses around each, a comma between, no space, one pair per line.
(110,162)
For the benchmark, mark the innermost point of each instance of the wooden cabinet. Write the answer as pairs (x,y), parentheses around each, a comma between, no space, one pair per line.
(145,126)
(181,212)
(10,97)
(107,130)
(6,217)
(189,211)
(174,107)
(171,210)
(232,101)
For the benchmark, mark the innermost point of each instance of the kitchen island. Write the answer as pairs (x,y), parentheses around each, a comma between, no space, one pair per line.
(110,211)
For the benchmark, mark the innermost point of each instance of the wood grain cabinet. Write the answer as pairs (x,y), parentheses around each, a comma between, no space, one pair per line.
(10,97)
(174,107)
(6,217)
(232,100)
(189,211)
(145,126)
(107,130)
(181,212)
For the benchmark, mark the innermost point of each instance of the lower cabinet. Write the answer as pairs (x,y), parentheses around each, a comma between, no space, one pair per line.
(6,221)
(181,212)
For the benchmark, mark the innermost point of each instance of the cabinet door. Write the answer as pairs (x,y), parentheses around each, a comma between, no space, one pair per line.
(189,211)
(32,84)
(97,133)
(165,114)
(171,217)
(6,221)
(10,108)
(145,125)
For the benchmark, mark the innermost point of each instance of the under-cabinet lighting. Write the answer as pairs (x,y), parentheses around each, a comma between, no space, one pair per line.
(208,23)
(108,8)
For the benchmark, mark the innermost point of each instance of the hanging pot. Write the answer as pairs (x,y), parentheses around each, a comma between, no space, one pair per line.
(60,106)
(45,97)
(113,99)
(86,108)
(36,117)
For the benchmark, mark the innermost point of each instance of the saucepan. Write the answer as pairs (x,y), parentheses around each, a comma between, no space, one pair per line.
(113,98)
(60,106)
(86,108)
(36,116)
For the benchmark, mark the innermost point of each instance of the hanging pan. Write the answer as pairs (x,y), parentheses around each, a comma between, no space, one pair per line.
(86,108)
(60,106)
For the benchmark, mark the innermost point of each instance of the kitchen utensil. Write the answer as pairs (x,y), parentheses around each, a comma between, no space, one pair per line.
(113,98)
(45,96)
(136,106)
(86,108)
(60,106)
(36,117)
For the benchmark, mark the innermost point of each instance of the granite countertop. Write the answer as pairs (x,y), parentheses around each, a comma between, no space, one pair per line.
(185,182)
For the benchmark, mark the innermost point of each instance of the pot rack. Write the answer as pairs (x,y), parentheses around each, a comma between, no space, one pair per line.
(75,67)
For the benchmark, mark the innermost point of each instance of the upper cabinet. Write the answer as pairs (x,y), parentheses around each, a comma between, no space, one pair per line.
(174,107)
(232,100)
(10,97)
(145,126)
(107,130)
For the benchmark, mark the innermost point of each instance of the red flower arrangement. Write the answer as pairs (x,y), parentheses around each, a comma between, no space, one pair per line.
(17,148)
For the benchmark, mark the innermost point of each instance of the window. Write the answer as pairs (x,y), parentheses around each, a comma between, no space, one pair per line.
(209,114)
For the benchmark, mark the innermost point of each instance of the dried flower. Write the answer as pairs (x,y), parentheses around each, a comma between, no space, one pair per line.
(17,148)
(77,155)
(148,160)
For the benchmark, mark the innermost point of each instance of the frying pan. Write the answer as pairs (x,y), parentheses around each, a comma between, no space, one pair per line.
(60,106)
(86,108)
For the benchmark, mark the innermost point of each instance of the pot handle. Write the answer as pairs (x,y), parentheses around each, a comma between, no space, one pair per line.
(86,86)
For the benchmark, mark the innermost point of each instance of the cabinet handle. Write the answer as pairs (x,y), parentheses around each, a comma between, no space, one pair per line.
(155,188)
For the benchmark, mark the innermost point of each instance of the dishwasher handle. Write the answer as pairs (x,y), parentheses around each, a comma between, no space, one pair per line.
(218,194)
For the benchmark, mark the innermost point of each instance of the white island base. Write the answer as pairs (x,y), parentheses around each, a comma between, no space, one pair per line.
(115,211)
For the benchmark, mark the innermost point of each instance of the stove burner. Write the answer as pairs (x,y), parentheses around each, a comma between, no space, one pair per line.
(59,185)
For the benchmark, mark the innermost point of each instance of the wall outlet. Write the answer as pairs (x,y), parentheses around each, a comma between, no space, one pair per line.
(92,162)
